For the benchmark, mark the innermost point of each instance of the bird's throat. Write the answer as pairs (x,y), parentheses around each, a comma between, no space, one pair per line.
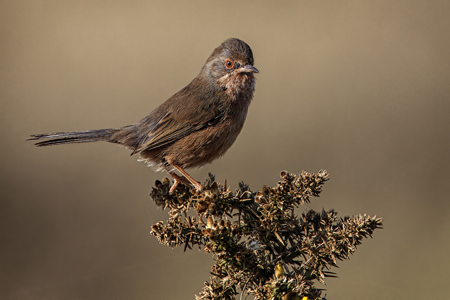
(238,85)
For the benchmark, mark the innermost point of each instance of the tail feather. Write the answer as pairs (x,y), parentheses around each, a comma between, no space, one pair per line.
(71,137)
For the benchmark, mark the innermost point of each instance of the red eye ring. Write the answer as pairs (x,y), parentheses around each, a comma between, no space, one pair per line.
(229,64)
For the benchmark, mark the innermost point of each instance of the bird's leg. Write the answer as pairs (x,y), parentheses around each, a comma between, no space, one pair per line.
(197,185)
(176,180)
(186,179)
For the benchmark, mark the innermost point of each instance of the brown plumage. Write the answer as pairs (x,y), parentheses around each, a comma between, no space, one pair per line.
(193,127)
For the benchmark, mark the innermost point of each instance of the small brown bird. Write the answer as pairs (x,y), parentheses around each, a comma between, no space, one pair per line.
(193,127)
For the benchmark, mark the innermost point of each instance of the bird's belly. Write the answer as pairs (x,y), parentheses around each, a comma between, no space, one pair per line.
(204,146)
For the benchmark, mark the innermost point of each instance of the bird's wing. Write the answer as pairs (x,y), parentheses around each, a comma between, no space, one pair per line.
(175,124)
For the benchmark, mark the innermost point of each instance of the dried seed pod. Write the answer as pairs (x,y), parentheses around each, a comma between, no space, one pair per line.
(210,223)
(228,224)
(202,206)
(212,206)
(279,271)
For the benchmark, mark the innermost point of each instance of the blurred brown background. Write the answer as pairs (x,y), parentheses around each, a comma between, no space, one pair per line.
(360,89)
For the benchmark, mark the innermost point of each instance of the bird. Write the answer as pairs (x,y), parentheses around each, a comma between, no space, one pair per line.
(193,127)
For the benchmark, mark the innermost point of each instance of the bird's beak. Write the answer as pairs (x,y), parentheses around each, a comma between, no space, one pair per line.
(247,69)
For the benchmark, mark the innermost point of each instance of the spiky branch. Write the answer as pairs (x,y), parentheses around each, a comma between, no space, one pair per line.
(260,246)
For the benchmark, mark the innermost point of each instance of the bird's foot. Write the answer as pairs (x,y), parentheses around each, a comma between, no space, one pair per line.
(186,177)
(180,179)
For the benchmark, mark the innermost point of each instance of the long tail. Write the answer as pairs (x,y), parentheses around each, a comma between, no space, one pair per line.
(70,137)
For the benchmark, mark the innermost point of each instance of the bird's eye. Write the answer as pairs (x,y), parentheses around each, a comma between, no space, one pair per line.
(229,64)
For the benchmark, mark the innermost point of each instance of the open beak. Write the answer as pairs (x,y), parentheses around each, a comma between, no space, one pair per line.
(247,69)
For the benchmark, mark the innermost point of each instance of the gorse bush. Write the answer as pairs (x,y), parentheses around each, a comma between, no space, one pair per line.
(260,246)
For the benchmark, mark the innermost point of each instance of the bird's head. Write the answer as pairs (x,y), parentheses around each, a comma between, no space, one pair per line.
(231,69)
